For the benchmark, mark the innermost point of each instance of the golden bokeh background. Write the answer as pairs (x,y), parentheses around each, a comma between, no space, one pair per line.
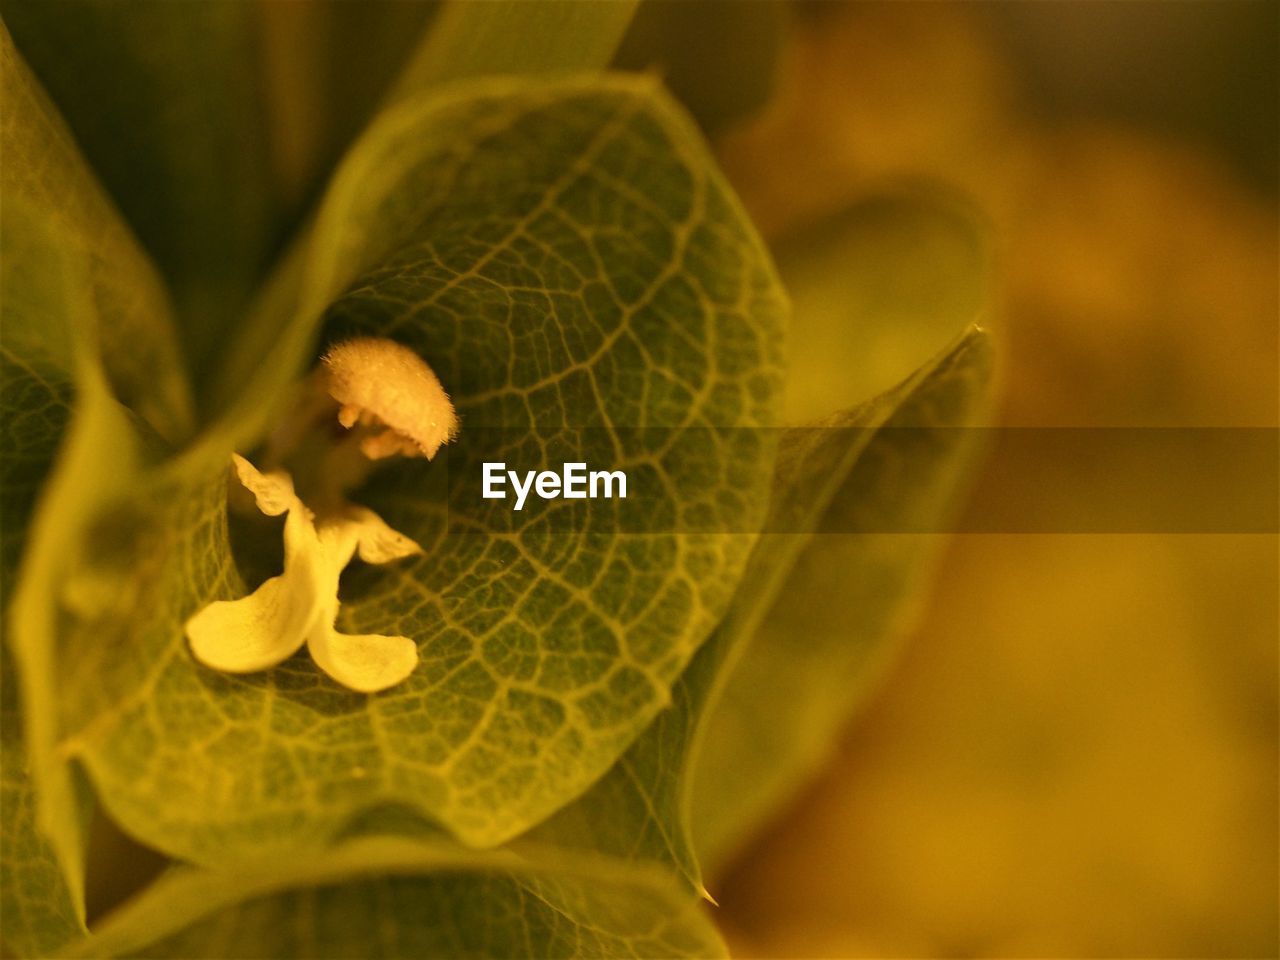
(1075,754)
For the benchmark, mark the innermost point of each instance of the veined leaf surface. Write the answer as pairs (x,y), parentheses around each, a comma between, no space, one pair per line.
(563,254)
(749,721)
(849,593)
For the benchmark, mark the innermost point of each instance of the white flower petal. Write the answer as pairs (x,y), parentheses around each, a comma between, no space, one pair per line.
(364,662)
(301,605)
(377,542)
(273,491)
(268,626)
(255,632)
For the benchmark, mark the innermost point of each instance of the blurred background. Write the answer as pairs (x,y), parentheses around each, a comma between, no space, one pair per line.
(1075,752)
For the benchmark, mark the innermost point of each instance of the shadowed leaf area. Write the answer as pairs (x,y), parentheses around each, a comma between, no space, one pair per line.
(400,899)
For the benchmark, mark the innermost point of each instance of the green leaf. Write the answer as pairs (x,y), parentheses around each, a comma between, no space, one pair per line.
(38,910)
(131,329)
(637,811)
(464,41)
(41,905)
(380,898)
(39,913)
(72,284)
(895,272)
(877,290)
(851,591)
(722,753)
(564,254)
(327,67)
(165,100)
(509,37)
(47,317)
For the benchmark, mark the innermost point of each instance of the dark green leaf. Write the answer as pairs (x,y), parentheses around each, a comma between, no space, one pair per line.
(465,41)
(165,100)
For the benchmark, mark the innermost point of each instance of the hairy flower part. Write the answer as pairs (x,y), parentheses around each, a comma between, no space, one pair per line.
(301,605)
(381,383)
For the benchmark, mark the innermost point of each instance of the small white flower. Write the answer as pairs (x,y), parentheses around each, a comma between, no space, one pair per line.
(300,606)
(396,405)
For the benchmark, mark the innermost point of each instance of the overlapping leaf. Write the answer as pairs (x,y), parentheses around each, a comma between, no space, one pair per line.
(563,254)
(879,288)
(74,284)
(402,899)
(509,37)
(162,98)
(131,324)
(40,909)
(750,716)
(901,273)
(882,290)
(848,595)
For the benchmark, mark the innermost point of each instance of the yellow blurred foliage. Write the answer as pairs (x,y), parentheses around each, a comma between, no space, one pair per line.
(1138,277)
(1077,755)
(1076,760)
